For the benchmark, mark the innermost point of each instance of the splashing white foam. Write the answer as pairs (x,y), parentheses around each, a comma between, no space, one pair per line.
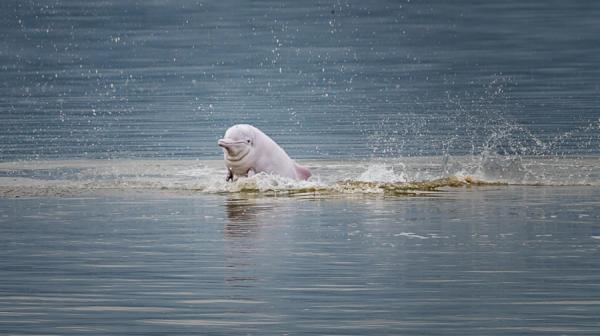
(30,178)
(261,182)
(383,173)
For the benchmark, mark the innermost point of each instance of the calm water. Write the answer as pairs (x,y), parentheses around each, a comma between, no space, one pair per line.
(489,261)
(455,150)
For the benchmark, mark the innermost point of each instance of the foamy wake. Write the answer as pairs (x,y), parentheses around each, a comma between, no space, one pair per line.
(389,177)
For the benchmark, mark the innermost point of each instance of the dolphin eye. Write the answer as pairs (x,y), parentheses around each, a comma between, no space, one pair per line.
(248,141)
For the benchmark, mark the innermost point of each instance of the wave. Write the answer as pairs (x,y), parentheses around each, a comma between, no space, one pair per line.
(401,176)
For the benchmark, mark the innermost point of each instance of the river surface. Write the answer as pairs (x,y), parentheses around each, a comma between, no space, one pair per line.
(454,146)
(489,261)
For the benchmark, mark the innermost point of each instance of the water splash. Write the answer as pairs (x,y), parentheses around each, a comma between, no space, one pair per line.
(384,173)
(392,177)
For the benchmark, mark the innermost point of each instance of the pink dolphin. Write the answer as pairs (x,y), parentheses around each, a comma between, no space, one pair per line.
(249,151)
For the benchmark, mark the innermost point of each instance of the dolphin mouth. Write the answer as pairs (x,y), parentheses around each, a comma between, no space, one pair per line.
(229,143)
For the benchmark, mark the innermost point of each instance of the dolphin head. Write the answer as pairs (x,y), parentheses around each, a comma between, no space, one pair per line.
(237,142)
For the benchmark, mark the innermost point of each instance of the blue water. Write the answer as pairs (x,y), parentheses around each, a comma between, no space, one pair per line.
(455,151)
(326,79)
(498,261)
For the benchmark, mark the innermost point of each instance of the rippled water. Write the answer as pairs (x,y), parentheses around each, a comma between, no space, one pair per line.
(455,151)
(342,79)
(494,261)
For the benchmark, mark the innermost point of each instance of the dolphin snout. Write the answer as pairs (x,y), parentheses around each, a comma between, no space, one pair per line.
(223,143)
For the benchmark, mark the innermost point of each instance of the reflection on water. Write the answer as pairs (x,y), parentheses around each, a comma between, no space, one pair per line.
(241,233)
(242,212)
(490,260)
